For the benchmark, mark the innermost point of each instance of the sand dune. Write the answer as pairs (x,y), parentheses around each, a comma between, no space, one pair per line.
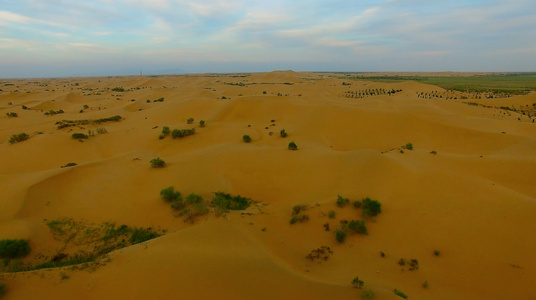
(473,200)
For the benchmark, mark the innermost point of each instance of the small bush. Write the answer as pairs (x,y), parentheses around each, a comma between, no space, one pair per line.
(409,146)
(357,204)
(190,120)
(283,133)
(18,138)
(165,130)
(371,207)
(425,285)
(367,294)
(169,194)
(193,199)
(264,92)
(400,294)
(341,201)
(223,202)
(340,235)
(320,254)
(140,235)
(202,123)
(86,106)
(437,253)
(246,138)
(14,248)
(357,283)
(179,133)
(78,135)
(358,227)
(301,219)
(296,209)
(292,146)
(11,115)
(118,89)
(102,130)
(157,163)
(331,214)
(24,107)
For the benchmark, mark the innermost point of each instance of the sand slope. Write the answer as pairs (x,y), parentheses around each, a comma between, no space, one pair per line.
(474,200)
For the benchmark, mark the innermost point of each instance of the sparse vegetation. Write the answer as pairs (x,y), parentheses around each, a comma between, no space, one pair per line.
(102,130)
(296,209)
(340,235)
(301,218)
(320,254)
(165,130)
(357,283)
(190,121)
(2,289)
(118,89)
(357,204)
(292,146)
(367,294)
(400,294)
(409,146)
(425,285)
(371,207)
(437,253)
(283,133)
(341,201)
(179,133)
(157,163)
(11,249)
(11,115)
(16,138)
(222,202)
(331,214)
(67,123)
(170,195)
(358,227)
(246,138)
(78,135)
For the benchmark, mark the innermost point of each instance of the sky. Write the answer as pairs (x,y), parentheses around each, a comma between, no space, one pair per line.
(64,38)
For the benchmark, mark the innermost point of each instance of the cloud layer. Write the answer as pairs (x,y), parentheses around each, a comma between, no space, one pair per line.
(56,38)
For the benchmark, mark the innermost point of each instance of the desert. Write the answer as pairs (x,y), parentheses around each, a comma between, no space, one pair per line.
(146,187)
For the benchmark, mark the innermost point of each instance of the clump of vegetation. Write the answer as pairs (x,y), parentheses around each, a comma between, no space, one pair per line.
(161,99)
(190,121)
(118,89)
(400,294)
(296,209)
(331,214)
(179,133)
(425,285)
(222,202)
(437,253)
(302,218)
(409,146)
(18,138)
(292,146)
(86,106)
(341,201)
(371,207)
(71,164)
(14,248)
(357,283)
(78,135)
(340,235)
(102,130)
(170,195)
(54,112)
(67,123)
(157,163)
(246,138)
(283,133)
(202,123)
(24,107)
(12,115)
(320,254)
(358,227)
(357,204)
(367,294)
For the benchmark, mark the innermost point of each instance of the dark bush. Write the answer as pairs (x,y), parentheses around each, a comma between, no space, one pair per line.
(400,294)
(18,138)
(140,235)
(302,218)
(340,235)
(371,207)
(202,123)
(157,163)
(296,209)
(358,227)
(193,199)
(14,248)
(165,130)
(246,138)
(190,120)
(179,133)
(283,133)
(223,202)
(78,135)
(11,115)
(357,283)
(292,146)
(341,201)
(169,194)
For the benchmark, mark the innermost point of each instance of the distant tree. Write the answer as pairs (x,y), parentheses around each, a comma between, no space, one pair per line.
(371,207)
(202,123)
(190,120)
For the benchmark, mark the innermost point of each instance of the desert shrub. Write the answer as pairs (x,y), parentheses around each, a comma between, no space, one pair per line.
(11,115)
(437,252)
(157,163)
(18,138)
(246,138)
(358,227)
(357,204)
(295,219)
(292,146)
(179,133)
(194,198)
(409,146)
(367,294)
(425,285)
(86,106)
(223,202)
(296,209)
(202,123)
(177,205)
(24,107)
(190,120)
(340,235)
(283,133)
(341,201)
(371,207)
(169,194)
(264,92)
(78,135)
(102,130)
(331,214)
(140,235)
(161,99)
(53,112)
(357,283)
(2,289)
(14,248)
(165,130)
(320,254)
(118,89)
(400,294)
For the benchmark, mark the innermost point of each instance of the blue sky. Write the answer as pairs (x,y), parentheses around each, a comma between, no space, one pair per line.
(57,38)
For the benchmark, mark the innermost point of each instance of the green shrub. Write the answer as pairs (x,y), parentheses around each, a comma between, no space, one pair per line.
(341,201)
(14,248)
(24,107)
(409,146)
(169,194)
(358,227)
(357,283)
(157,163)
(246,138)
(283,133)
(437,252)
(140,235)
(400,294)
(303,218)
(78,135)
(367,294)
(292,146)
(264,92)
(11,115)
(102,130)
(190,120)
(223,202)
(296,209)
(193,198)
(118,89)
(86,106)
(340,235)
(179,133)
(371,207)
(165,130)
(331,214)
(357,204)
(202,123)
(18,138)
